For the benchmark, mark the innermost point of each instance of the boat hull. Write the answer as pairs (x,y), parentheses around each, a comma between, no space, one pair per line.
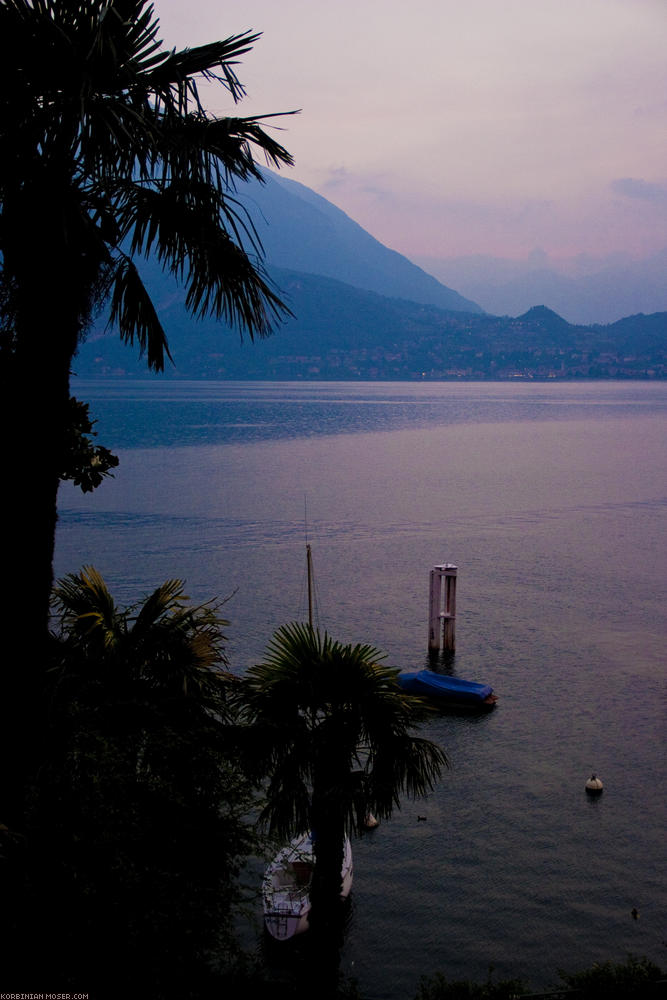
(286,887)
(283,924)
(448,691)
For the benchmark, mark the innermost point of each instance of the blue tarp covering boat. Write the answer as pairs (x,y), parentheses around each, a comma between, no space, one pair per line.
(442,687)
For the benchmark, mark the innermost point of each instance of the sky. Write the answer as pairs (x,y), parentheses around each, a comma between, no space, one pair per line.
(455,127)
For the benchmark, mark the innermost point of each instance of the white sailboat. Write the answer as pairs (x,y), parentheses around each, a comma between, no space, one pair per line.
(286,887)
(287,879)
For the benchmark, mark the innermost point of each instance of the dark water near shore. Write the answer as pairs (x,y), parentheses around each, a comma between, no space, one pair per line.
(551,500)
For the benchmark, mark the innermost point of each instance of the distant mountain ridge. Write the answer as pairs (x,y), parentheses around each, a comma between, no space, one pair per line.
(341,332)
(301,231)
(363,311)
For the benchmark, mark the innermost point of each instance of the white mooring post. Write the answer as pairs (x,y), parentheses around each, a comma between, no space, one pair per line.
(442,608)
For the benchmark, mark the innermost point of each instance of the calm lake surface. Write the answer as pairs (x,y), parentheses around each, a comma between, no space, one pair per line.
(551,500)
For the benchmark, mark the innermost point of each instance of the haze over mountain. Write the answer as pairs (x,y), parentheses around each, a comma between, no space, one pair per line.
(302,231)
(363,311)
(581,289)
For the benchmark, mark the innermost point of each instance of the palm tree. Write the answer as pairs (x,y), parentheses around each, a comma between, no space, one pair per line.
(334,733)
(160,655)
(153,676)
(140,812)
(107,155)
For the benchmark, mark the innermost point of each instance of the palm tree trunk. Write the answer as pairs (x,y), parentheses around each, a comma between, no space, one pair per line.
(326,916)
(33,408)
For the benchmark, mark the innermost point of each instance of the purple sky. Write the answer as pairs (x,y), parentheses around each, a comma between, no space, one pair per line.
(450,127)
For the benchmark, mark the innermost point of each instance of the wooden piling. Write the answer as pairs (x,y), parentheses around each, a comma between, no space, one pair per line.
(442,608)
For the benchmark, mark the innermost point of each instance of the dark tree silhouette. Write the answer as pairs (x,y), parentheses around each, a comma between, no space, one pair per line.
(333,731)
(138,823)
(107,155)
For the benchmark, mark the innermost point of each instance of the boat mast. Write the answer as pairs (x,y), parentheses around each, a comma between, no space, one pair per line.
(309,564)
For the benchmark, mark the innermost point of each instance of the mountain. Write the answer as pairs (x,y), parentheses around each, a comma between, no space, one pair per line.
(342,332)
(545,320)
(301,231)
(362,311)
(582,289)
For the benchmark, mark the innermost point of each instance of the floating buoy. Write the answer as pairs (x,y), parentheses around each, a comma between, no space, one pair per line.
(594,786)
(635,913)
(370,822)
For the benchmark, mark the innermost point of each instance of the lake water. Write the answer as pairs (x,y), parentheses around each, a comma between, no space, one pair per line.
(551,500)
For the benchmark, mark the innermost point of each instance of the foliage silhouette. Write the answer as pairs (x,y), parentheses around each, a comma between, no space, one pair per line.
(634,979)
(137,828)
(332,731)
(107,155)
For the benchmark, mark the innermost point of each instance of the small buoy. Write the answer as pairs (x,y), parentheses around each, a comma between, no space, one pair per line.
(635,913)
(594,786)
(370,822)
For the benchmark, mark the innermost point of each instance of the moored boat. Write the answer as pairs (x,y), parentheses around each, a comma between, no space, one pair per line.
(286,887)
(448,690)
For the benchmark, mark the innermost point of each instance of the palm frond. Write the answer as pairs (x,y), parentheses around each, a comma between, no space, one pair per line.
(216,151)
(132,310)
(164,600)
(334,723)
(87,608)
(159,651)
(93,108)
(214,61)
(129,28)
